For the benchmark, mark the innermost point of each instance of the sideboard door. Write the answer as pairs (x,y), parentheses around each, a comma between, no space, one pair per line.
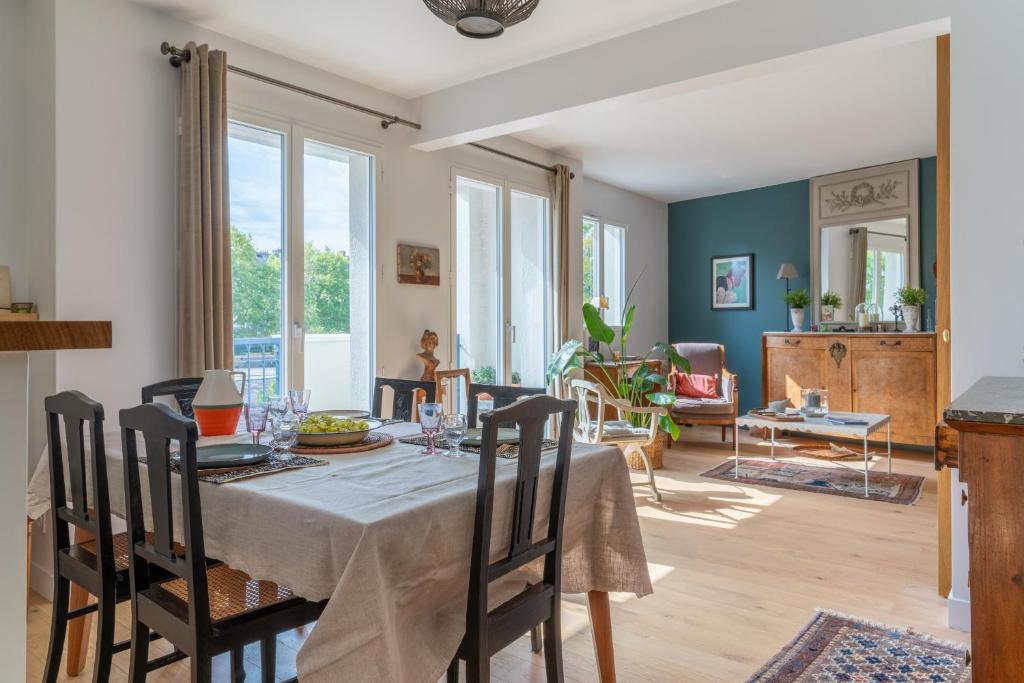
(898,381)
(794,364)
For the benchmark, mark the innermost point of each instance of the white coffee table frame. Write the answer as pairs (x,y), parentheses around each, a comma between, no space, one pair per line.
(820,427)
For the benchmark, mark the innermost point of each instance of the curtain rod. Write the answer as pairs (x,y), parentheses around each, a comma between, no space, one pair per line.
(179,55)
(507,155)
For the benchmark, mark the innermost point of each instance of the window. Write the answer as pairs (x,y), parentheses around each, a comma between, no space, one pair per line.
(305,269)
(604,266)
(501,281)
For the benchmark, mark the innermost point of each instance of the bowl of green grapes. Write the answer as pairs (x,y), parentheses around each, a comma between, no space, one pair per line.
(324,429)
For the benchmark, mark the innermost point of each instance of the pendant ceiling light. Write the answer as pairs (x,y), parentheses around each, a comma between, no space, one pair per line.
(482,18)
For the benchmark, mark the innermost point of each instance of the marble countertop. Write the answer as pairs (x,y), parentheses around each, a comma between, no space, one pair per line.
(997,400)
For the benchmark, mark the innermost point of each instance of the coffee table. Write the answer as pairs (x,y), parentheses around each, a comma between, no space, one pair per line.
(821,427)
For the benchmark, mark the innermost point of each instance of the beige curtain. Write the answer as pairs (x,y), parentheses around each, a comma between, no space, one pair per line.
(858,265)
(204,239)
(563,232)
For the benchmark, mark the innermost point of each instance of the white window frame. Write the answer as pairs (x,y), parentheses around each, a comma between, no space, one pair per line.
(599,266)
(506,186)
(294,132)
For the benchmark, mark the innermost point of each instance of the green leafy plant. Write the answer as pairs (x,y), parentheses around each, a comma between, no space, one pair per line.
(631,387)
(487,375)
(911,296)
(798,298)
(831,298)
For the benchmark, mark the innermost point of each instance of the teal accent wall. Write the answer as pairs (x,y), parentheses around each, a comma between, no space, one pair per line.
(773,223)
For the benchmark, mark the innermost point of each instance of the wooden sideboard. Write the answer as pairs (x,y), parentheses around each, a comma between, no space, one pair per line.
(863,372)
(989,421)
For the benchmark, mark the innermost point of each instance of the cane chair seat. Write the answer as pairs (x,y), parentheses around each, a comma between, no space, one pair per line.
(121,549)
(232,592)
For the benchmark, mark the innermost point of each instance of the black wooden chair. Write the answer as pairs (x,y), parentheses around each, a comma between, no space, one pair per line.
(99,565)
(405,398)
(183,390)
(489,631)
(207,607)
(501,395)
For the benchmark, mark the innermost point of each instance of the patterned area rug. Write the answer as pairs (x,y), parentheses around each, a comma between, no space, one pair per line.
(843,649)
(902,489)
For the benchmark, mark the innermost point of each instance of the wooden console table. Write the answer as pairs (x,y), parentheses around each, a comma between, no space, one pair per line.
(18,337)
(989,418)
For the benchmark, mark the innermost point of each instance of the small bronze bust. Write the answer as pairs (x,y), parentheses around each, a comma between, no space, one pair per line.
(429,342)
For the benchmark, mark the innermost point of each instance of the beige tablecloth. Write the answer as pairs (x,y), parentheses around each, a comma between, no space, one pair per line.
(386,535)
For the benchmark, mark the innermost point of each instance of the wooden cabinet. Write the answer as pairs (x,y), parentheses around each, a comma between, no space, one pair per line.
(990,424)
(869,373)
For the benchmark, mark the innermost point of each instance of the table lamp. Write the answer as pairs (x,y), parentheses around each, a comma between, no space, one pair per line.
(786,271)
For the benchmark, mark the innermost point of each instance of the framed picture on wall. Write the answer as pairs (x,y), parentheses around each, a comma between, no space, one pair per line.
(419,265)
(732,283)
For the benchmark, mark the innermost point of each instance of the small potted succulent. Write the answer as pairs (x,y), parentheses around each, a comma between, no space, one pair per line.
(910,300)
(797,300)
(830,301)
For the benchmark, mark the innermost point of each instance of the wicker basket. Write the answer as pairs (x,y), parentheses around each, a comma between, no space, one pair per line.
(654,452)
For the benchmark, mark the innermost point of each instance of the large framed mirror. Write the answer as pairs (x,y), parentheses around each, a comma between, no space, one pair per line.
(865,233)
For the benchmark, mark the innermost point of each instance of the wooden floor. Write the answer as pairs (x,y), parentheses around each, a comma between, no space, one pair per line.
(737,571)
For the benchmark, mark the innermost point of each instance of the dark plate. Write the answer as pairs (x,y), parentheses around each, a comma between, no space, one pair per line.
(231,455)
(505,436)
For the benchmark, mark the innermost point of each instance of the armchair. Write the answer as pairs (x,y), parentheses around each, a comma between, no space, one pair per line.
(707,359)
(597,430)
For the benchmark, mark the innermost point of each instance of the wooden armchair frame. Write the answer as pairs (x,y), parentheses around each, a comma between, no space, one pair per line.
(730,386)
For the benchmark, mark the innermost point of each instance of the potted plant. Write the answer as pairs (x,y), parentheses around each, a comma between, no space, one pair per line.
(910,300)
(797,300)
(830,301)
(635,388)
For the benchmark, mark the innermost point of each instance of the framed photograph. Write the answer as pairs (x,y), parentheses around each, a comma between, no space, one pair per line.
(732,283)
(419,265)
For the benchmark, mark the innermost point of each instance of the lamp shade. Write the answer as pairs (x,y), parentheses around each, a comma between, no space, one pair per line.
(786,271)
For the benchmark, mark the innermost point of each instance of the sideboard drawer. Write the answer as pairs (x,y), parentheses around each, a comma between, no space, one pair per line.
(812,342)
(894,343)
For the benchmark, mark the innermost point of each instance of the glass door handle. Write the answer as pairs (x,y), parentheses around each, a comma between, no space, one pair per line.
(299,336)
(512,332)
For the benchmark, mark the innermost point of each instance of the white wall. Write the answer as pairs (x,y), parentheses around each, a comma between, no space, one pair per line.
(986,237)
(646,222)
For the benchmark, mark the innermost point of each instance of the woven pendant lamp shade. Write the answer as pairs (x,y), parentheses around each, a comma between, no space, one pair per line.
(482,18)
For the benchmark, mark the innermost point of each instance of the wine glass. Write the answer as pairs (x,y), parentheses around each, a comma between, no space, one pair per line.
(286,432)
(278,406)
(300,401)
(256,419)
(430,422)
(454,433)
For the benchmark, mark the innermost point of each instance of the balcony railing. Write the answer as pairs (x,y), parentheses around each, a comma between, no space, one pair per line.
(260,359)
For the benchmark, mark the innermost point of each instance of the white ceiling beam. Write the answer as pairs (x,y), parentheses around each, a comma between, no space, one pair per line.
(727,43)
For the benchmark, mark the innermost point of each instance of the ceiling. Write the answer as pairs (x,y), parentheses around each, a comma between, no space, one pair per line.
(862,109)
(400,47)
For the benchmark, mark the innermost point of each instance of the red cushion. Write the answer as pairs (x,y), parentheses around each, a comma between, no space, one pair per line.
(696,386)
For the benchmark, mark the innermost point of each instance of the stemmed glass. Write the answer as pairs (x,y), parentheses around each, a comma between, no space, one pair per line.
(256,420)
(278,406)
(430,422)
(454,433)
(300,401)
(286,432)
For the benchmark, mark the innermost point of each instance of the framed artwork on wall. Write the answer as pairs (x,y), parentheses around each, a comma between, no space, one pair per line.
(419,265)
(732,283)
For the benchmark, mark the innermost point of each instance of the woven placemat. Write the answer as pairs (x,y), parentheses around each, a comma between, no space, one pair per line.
(273,463)
(509,451)
(373,441)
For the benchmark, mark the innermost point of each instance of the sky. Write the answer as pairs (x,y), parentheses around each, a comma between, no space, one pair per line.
(254,176)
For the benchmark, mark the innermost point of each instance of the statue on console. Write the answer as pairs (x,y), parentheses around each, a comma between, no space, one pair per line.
(430,362)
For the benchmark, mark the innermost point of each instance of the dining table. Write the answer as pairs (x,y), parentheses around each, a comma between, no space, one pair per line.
(385,537)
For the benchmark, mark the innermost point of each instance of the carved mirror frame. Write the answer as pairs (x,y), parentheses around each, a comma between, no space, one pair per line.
(875,193)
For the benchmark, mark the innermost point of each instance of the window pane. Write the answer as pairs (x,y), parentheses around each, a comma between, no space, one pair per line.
(337,265)
(614,274)
(528,261)
(590,284)
(256,180)
(478,280)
